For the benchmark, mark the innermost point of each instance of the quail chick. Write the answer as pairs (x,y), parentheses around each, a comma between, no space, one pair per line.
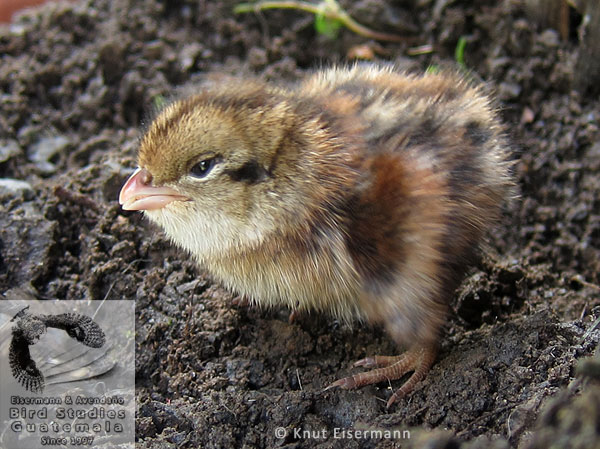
(362,192)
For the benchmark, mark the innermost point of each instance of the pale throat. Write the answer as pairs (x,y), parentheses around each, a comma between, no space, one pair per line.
(207,235)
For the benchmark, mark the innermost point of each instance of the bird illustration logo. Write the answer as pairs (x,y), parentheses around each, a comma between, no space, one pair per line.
(29,328)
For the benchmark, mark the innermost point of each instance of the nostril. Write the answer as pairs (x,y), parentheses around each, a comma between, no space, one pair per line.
(146,177)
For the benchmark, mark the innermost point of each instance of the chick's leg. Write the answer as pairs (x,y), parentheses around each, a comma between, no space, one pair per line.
(418,359)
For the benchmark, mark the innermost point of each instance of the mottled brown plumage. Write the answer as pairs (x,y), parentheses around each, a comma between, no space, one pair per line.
(362,192)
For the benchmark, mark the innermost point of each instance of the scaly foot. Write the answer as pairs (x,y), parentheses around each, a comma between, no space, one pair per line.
(418,359)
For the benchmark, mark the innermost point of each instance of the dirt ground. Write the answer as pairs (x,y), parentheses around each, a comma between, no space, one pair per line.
(78,79)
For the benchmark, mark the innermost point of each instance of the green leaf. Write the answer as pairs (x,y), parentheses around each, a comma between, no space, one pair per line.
(459,52)
(327,27)
(159,102)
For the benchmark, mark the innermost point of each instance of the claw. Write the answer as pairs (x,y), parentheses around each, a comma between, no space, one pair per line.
(241,301)
(418,360)
(346,383)
(294,316)
(367,362)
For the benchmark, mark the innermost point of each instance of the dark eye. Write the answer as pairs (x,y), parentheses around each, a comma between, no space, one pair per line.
(202,168)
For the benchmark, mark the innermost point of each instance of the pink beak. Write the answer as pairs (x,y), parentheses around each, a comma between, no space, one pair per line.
(139,194)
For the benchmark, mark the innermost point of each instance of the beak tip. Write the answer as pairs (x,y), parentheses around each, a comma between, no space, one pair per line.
(127,190)
(138,194)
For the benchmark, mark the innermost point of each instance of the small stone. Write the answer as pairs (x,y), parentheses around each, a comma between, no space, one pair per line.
(8,149)
(527,116)
(45,149)
(550,38)
(509,91)
(12,186)
(190,286)
(188,56)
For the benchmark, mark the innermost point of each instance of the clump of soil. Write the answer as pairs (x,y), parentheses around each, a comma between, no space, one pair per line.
(77,80)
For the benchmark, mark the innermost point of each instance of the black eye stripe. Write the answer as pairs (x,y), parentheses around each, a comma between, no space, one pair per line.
(250,173)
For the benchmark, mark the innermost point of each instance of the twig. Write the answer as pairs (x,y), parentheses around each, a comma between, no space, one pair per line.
(330,9)
(591,329)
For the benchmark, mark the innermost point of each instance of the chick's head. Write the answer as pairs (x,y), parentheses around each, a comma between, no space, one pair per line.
(210,170)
